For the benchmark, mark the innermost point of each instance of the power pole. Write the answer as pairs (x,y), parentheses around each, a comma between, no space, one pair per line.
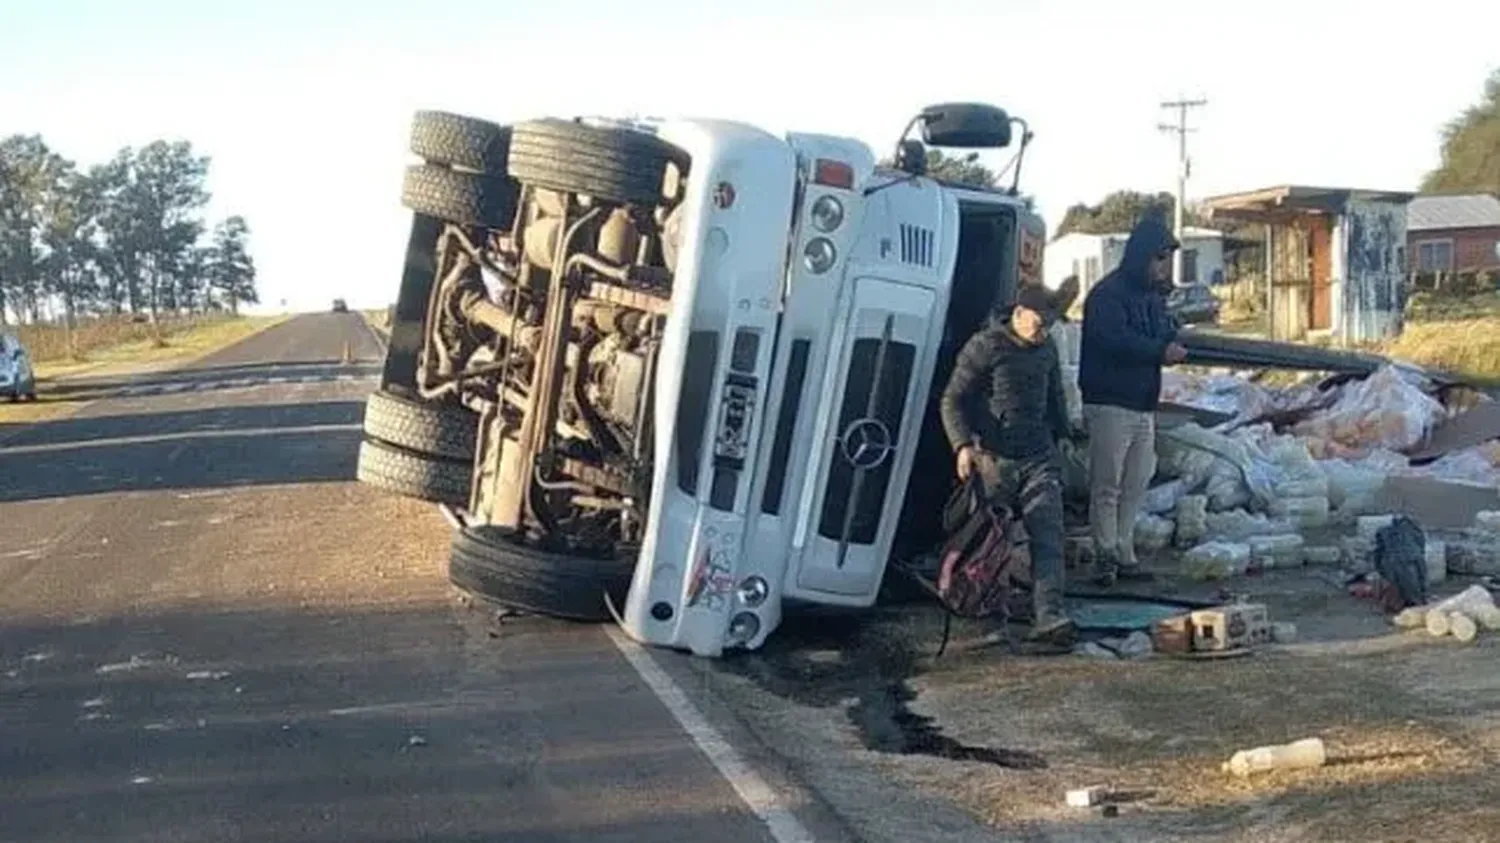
(1184,166)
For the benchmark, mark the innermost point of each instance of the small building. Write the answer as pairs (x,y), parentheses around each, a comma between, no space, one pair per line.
(1333,261)
(1453,233)
(1091,256)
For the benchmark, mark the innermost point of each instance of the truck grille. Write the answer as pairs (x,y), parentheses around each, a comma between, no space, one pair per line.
(874,402)
(917,245)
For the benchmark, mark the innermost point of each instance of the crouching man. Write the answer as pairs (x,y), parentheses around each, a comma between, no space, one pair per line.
(1004,412)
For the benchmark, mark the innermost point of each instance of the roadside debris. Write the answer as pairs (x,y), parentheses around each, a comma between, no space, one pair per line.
(1087,797)
(1460,616)
(1297,755)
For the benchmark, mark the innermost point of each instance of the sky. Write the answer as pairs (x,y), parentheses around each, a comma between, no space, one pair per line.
(304,107)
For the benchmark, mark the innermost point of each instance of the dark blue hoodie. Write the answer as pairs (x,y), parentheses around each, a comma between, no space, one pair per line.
(1126,327)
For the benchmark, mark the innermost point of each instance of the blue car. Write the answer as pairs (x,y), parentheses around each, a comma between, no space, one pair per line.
(17,380)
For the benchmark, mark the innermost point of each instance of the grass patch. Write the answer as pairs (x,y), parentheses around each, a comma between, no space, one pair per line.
(1465,346)
(122,348)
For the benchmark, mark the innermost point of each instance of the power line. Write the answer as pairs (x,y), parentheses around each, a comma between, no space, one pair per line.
(1181,129)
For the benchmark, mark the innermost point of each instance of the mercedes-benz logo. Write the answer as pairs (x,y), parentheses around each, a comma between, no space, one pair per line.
(866,443)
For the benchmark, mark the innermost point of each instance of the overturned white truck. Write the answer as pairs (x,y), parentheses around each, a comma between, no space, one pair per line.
(681,372)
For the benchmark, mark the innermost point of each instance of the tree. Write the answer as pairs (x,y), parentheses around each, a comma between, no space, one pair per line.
(70,225)
(164,196)
(229,268)
(1118,212)
(30,173)
(962,169)
(1470,160)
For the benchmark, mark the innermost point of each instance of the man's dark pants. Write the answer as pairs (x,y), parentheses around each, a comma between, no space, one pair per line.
(1032,488)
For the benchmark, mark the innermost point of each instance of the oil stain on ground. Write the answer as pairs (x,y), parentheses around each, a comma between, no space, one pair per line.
(822,659)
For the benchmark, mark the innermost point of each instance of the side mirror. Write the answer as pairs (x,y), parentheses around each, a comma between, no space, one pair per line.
(911,158)
(965,125)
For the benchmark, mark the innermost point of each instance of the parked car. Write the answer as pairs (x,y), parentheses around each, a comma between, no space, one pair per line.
(340,306)
(1194,304)
(17,379)
(689,366)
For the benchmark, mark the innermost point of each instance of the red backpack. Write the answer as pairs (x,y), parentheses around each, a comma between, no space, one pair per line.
(978,563)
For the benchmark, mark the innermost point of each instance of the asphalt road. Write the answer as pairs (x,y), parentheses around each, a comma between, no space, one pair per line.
(209,631)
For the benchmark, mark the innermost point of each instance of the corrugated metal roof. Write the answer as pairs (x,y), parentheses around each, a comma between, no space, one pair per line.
(1477,210)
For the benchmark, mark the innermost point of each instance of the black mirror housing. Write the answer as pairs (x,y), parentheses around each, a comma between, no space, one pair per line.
(965,126)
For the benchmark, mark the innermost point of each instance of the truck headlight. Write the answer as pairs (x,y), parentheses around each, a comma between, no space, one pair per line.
(827,214)
(754,591)
(819,255)
(742,629)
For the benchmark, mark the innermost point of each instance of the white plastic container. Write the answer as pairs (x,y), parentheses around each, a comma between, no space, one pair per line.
(1297,755)
(1216,560)
(1283,551)
(1304,512)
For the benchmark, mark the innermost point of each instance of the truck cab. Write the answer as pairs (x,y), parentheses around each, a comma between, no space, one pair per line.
(829,457)
(703,359)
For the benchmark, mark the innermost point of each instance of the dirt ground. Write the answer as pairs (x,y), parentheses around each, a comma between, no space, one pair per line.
(1412,724)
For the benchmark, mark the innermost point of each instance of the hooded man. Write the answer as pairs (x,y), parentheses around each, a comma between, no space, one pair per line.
(1128,336)
(1003,411)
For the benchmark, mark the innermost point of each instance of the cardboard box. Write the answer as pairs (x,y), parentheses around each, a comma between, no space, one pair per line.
(1230,627)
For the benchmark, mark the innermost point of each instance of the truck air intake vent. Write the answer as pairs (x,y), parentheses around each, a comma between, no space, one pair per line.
(916,245)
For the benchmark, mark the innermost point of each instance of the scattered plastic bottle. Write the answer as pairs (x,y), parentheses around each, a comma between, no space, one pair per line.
(1297,755)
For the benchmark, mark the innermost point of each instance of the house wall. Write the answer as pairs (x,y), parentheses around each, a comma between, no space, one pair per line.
(1107,249)
(1371,296)
(1473,248)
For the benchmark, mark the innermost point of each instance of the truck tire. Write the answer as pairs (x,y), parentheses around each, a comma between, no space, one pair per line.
(410,475)
(615,165)
(440,137)
(489,564)
(422,426)
(468,199)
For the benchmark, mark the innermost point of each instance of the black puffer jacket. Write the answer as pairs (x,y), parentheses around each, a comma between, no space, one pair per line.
(1005,395)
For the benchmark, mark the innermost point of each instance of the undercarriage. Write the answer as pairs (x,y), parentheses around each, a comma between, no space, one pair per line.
(538,282)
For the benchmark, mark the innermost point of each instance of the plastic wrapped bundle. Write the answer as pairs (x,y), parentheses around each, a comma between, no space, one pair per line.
(1216,560)
(1192,520)
(1306,513)
(1238,525)
(1163,498)
(1280,551)
(1153,534)
(1384,410)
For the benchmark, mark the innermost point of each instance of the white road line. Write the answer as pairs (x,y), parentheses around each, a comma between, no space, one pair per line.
(276,380)
(184,435)
(203,386)
(761,799)
(174,387)
(136,390)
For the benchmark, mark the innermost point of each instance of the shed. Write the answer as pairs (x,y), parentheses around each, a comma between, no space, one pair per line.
(1453,233)
(1334,258)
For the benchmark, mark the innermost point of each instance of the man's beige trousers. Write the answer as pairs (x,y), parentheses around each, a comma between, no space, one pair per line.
(1122,460)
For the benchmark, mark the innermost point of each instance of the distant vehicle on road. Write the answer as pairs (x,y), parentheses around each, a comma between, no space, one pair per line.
(1194,304)
(17,379)
(340,306)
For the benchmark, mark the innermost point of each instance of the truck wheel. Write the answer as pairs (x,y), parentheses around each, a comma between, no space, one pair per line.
(469,199)
(616,165)
(410,475)
(421,426)
(439,137)
(489,564)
